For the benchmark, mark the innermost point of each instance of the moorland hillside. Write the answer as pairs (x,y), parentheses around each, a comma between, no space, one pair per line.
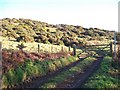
(27,30)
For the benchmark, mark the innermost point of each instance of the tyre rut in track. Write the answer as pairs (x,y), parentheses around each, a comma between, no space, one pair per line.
(38,81)
(80,78)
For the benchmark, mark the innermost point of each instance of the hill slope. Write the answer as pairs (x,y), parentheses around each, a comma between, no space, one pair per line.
(27,30)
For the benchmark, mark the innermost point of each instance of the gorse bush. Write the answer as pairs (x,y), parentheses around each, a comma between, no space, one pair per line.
(36,31)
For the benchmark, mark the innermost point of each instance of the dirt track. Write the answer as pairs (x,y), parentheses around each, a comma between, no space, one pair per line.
(79,78)
(72,82)
(76,81)
(38,81)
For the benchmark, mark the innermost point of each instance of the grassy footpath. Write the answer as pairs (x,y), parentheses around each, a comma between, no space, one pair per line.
(102,78)
(34,69)
(53,82)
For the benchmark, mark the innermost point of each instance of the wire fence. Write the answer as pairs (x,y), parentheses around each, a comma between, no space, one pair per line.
(36,47)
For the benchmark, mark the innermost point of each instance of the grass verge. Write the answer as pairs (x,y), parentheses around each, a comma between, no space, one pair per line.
(34,69)
(102,78)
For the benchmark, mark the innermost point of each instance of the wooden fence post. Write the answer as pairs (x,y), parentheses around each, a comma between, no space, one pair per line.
(38,48)
(111,48)
(69,48)
(0,51)
(62,48)
(0,46)
(115,45)
(74,49)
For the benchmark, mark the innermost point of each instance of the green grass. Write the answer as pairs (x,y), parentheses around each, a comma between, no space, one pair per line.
(32,69)
(102,78)
(53,82)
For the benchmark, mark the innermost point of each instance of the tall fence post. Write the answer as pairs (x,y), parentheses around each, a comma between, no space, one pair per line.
(38,48)
(69,48)
(114,45)
(74,49)
(0,51)
(111,48)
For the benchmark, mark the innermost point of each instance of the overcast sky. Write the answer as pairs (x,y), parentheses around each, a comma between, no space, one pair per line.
(87,13)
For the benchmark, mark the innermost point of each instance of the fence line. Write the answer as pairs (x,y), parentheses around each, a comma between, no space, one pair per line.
(41,48)
(36,47)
